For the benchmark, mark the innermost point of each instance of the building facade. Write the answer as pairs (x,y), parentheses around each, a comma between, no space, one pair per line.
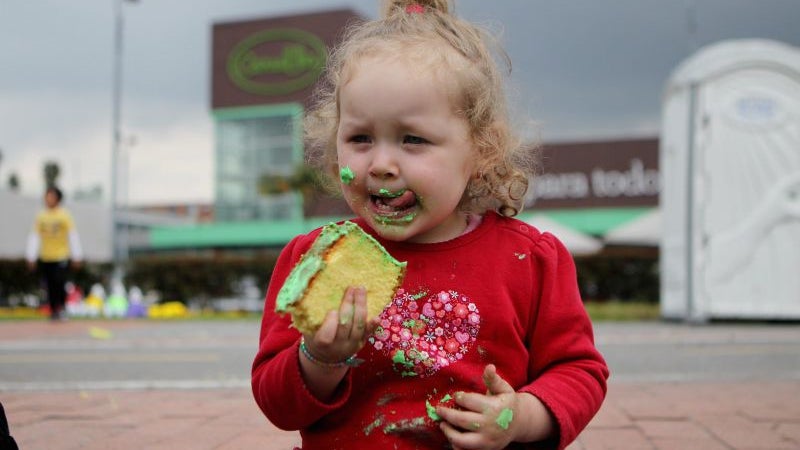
(263,76)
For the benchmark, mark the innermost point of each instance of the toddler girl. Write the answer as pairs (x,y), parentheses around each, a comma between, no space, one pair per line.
(487,344)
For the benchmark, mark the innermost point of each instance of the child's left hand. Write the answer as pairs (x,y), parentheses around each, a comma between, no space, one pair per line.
(489,421)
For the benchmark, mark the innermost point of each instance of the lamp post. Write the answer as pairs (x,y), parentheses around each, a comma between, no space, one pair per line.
(116,134)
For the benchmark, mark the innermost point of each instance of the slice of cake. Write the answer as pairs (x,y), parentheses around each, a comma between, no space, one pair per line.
(341,256)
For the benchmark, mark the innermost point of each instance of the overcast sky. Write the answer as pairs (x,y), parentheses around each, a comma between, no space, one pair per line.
(582,69)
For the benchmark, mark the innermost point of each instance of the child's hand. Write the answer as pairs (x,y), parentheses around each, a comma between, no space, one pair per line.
(494,420)
(343,332)
(486,420)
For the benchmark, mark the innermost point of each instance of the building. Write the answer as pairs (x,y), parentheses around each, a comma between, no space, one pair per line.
(263,76)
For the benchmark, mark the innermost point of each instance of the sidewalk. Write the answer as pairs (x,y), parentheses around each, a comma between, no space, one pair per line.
(683,416)
(707,415)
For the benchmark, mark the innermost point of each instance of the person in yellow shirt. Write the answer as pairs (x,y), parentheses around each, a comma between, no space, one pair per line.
(55,245)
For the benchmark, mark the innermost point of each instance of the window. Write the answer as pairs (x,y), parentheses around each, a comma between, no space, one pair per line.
(252,143)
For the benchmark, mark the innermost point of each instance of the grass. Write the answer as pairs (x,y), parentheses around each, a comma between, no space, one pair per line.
(610,311)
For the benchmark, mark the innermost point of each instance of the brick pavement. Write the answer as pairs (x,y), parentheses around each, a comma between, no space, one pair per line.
(707,415)
(663,416)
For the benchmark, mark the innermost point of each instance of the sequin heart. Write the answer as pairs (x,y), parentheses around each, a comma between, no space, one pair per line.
(422,334)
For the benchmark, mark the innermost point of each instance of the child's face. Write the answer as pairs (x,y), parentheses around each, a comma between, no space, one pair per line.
(50,199)
(405,156)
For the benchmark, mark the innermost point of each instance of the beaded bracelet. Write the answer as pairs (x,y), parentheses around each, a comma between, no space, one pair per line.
(351,361)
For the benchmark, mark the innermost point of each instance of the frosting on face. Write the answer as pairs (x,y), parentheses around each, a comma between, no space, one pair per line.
(346,175)
(397,221)
(394,208)
(389,194)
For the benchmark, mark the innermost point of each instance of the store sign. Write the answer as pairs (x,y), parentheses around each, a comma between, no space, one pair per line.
(273,60)
(636,181)
(277,62)
(607,174)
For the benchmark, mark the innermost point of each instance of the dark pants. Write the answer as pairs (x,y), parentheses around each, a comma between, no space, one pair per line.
(6,441)
(55,279)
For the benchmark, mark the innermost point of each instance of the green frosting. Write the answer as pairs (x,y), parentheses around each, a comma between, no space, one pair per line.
(308,266)
(400,358)
(389,194)
(311,263)
(396,221)
(297,281)
(431,410)
(504,418)
(346,175)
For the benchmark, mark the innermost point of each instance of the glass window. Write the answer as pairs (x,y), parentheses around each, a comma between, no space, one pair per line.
(248,148)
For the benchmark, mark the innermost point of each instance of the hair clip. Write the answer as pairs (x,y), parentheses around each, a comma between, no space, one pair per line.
(415,8)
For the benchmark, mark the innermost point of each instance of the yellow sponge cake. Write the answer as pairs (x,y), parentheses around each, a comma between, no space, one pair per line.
(342,255)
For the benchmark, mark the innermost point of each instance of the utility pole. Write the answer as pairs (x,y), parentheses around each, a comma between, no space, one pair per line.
(116,135)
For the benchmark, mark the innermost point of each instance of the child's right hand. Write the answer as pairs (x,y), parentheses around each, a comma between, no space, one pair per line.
(343,332)
(325,363)
(494,420)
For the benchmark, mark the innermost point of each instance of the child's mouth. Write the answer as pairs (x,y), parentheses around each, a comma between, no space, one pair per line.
(394,207)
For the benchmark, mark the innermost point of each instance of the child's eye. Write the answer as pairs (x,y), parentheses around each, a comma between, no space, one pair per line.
(410,139)
(360,139)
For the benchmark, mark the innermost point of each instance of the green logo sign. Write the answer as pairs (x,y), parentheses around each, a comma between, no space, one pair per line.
(297,64)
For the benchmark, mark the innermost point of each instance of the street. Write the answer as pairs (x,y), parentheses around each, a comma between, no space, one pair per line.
(83,354)
(131,354)
(661,351)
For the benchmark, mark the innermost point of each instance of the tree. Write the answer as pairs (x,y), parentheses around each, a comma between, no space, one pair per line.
(305,179)
(13,182)
(51,173)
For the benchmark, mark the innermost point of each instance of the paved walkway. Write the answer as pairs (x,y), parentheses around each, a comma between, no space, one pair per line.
(685,416)
(694,414)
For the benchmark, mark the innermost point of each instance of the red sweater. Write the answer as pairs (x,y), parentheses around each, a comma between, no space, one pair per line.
(504,294)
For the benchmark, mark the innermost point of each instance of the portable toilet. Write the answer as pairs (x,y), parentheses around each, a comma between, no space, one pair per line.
(730,200)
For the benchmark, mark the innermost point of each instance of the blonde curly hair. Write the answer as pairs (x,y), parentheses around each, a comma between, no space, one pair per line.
(428,31)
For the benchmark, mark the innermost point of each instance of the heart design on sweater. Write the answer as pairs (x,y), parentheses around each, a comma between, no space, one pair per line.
(422,334)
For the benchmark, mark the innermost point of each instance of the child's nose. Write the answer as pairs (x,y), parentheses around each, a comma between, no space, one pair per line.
(384,164)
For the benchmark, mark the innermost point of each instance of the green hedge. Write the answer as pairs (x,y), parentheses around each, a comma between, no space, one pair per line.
(185,277)
(176,277)
(192,277)
(624,279)
(17,280)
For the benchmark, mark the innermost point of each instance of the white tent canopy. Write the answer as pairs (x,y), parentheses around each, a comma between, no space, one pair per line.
(642,231)
(578,244)
(730,164)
